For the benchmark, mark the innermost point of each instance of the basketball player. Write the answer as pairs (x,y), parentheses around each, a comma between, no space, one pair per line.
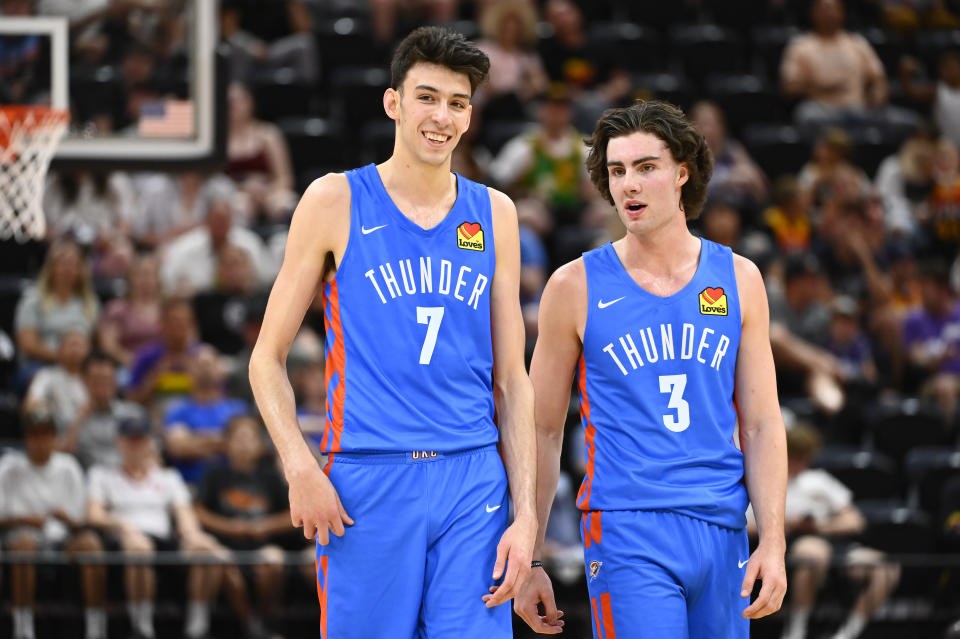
(417,267)
(667,336)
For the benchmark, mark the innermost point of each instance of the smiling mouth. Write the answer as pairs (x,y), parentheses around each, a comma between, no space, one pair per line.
(435,139)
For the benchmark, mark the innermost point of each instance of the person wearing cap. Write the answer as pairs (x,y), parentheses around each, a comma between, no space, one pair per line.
(41,508)
(132,504)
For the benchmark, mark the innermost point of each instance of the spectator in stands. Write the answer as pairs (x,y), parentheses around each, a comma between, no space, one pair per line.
(61,300)
(311,391)
(516,73)
(170,205)
(851,347)
(258,159)
(93,434)
(160,368)
(931,337)
(829,173)
(133,503)
(798,324)
(836,73)
(221,311)
(42,499)
(590,68)
(60,387)
(132,321)
(194,427)
(547,162)
(244,505)
(788,220)
(736,177)
(821,521)
(189,263)
(943,95)
(383,14)
(940,225)
(904,181)
(265,37)
(93,209)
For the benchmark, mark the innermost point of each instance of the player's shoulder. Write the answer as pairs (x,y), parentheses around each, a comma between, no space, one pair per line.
(325,203)
(750,282)
(568,282)
(501,205)
(328,189)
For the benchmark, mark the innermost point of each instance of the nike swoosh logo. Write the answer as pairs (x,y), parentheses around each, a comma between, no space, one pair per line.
(367,231)
(602,304)
(490,510)
(741,564)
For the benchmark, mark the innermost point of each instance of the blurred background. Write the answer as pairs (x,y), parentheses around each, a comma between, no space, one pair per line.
(125,332)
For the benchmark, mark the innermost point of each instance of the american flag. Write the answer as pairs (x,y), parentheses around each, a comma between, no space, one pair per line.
(166,118)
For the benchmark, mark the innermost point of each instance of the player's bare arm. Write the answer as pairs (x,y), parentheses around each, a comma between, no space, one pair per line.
(513,396)
(315,244)
(561,321)
(763,442)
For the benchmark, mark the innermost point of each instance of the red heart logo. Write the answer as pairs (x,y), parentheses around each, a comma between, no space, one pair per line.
(711,295)
(469,230)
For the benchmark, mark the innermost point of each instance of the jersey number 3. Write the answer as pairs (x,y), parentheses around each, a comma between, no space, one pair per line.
(431,316)
(675,384)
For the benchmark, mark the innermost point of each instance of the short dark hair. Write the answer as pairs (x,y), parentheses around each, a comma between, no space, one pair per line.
(439,45)
(97,357)
(668,123)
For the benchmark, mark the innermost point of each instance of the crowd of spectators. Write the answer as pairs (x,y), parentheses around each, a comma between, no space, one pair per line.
(132,338)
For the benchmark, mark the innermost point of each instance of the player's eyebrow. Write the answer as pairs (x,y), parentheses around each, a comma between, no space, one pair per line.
(645,158)
(427,87)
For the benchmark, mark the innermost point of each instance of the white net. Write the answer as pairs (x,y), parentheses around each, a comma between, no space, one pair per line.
(28,138)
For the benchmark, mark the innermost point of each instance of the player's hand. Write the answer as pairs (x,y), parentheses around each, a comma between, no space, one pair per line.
(315,505)
(514,553)
(767,564)
(537,589)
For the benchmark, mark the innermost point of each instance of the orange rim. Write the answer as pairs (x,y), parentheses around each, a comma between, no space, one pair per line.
(27,118)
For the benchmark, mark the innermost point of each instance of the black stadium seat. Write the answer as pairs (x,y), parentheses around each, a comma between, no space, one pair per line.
(637,47)
(868,474)
(777,148)
(745,99)
(896,528)
(357,95)
(928,469)
(672,87)
(707,48)
(313,141)
(898,426)
(768,43)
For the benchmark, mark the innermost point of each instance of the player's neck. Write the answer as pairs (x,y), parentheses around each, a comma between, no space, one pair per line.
(416,182)
(664,250)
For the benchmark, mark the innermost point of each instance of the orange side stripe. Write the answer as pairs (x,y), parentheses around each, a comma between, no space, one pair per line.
(608,628)
(595,530)
(585,525)
(596,617)
(339,359)
(583,496)
(323,599)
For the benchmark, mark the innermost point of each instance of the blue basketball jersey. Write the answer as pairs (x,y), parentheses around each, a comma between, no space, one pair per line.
(656,386)
(409,356)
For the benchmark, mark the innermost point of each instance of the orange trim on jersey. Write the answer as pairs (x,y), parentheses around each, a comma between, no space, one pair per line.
(583,495)
(596,617)
(335,365)
(592,532)
(322,592)
(328,465)
(607,612)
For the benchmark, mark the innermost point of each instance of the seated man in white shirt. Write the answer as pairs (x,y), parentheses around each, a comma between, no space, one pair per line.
(822,520)
(41,508)
(133,504)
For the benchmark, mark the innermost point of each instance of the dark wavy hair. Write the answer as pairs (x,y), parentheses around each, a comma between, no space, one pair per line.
(668,123)
(438,45)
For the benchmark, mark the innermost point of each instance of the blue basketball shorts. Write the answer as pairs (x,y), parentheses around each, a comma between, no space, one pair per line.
(655,574)
(420,554)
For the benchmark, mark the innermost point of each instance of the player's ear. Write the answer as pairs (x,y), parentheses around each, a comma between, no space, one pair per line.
(469,115)
(391,103)
(683,174)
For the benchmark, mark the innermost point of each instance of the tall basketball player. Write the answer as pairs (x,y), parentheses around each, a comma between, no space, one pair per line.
(419,270)
(667,336)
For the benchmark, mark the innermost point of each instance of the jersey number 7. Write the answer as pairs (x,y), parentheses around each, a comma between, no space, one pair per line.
(431,316)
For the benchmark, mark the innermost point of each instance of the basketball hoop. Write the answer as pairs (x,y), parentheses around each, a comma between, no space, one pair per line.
(28,138)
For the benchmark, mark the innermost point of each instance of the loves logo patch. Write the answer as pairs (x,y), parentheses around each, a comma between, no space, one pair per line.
(712,301)
(470,236)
